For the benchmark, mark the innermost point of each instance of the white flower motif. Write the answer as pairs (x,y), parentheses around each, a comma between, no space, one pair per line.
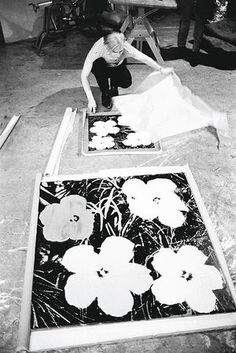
(101,143)
(186,278)
(103,128)
(108,276)
(135,139)
(157,198)
(67,219)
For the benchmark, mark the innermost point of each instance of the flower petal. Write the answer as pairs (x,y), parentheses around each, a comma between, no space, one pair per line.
(166,262)
(81,291)
(81,259)
(191,256)
(99,124)
(73,201)
(201,300)
(174,201)
(135,278)
(171,217)
(53,218)
(141,207)
(169,291)
(114,130)
(116,251)
(114,300)
(133,187)
(48,212)
(215,280)
(207,277)
(161,186)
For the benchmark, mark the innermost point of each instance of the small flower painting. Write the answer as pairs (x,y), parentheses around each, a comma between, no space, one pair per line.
(105,134)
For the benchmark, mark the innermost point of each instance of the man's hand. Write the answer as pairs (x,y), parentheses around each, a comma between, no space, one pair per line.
(167,70)
(92,106)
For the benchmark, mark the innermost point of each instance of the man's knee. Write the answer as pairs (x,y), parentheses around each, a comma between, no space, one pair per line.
(125,79)
(126,83)
(99,65)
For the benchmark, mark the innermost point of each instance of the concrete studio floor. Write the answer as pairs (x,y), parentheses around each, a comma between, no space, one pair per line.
(41,93)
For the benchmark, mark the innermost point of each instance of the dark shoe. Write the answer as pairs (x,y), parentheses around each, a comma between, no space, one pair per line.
(114,91)
(194,59)
(106,100)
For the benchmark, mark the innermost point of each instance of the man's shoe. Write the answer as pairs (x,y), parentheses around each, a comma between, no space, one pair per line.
(114,91)
(106,100)
(194,59)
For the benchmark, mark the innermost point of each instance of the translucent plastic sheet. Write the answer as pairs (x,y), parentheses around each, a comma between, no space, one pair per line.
(163,107)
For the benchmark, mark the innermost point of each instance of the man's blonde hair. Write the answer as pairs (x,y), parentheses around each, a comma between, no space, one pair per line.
(114,39)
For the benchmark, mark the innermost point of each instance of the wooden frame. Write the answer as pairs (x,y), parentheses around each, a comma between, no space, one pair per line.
(76,335)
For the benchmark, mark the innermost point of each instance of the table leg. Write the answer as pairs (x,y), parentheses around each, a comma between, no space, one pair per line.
(155,50)
(126,23)
(142,30)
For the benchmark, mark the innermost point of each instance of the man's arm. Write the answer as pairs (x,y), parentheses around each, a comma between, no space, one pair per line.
(86,86)
(138,55)
(93,54)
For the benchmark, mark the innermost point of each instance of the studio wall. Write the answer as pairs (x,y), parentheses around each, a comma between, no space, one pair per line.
(19,21)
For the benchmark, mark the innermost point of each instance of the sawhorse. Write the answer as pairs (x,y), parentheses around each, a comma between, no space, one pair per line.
(141,29)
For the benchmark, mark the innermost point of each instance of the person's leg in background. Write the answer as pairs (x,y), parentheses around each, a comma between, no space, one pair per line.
(102,74)
(198,33)
(203,11)
(197,39)
(186,8)
(120,77)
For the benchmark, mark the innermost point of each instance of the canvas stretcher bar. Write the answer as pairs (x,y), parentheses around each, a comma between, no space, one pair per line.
(25,316)
(124,331)
(65,129)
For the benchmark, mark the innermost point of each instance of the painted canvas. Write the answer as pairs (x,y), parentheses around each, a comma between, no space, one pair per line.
(104,134)
(125,254)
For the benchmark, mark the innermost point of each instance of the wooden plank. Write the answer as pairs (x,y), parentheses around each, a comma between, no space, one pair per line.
(62,134)
(147,3)
(25,316)
(10,126)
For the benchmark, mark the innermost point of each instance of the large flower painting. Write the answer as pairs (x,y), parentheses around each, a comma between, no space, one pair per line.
(123,248)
